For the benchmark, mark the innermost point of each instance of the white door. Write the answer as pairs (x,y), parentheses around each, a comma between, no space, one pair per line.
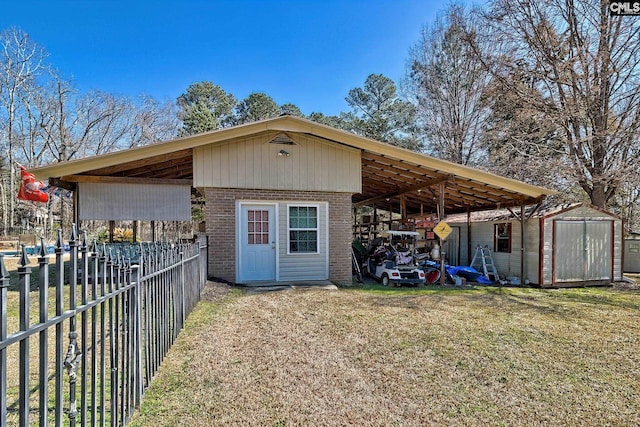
(257,255)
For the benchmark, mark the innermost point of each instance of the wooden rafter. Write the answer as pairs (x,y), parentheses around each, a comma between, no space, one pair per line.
(403,191)
(126,180)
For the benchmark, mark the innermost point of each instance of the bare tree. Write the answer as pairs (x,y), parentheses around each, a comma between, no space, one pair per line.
(582,70)
(446,83)
(152,121)
(519,141)
(21,62)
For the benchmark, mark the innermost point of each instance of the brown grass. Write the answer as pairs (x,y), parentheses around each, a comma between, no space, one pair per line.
(409,358)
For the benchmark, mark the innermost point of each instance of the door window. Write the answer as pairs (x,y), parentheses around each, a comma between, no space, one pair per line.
(258,227)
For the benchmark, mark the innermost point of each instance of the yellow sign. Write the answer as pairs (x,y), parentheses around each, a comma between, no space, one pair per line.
(442,230)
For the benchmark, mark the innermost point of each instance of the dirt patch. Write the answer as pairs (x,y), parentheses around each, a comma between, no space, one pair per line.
(214,291)
(625,286)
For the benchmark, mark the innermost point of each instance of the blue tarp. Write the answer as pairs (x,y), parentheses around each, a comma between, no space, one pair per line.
(468,273)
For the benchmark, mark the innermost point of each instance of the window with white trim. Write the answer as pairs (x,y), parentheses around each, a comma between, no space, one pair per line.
(303,229)
(502,237)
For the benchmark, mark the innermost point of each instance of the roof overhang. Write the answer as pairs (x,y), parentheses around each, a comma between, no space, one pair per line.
(390,175)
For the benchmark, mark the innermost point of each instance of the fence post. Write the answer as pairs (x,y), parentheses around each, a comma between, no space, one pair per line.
(43,262)
(84,325)
(183,296)
(71,360)
(94,332)
(4,283)
(59,252)
(23,285)
(139,375)
(102,276)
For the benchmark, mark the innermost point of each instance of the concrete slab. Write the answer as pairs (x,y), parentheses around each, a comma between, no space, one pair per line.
(284,286)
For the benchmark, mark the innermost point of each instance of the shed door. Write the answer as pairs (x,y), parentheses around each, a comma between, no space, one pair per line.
(582,251)
(257,243)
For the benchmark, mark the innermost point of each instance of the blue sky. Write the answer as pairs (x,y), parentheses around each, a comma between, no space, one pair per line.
(309,53)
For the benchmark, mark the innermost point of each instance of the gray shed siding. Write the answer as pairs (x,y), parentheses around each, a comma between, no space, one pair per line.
(632,256)
(539,260)
(507,264)
(600,222)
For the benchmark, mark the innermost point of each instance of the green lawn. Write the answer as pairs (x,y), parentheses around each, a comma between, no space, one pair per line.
(405,357)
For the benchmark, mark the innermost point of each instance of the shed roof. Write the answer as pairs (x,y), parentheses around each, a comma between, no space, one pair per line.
(530,212)
(388,172)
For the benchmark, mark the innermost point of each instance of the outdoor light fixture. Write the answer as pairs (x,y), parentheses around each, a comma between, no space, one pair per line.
(283,153)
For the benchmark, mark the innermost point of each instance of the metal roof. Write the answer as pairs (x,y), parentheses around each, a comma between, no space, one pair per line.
(388,172)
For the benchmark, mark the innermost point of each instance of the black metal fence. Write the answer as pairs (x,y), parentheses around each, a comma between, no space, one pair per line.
(106,317)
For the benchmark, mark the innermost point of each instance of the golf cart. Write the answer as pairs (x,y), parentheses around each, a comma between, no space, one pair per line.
(391,263)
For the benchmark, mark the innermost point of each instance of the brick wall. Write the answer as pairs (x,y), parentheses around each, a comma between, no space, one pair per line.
(221,227)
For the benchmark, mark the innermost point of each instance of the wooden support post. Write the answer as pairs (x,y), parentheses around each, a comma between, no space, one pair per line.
(112,228)
(469,235)
(443,273)
(135,231)
(523,252)
(76,210)
(153,231)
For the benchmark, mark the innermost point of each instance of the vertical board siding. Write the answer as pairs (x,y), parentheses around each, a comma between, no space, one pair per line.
(507,264)
(126,201)
(631,255)
(464,243)
(569,251)
(601,229)
(532,253)
(618,249)
(252,162)
(539,260)
(302,266)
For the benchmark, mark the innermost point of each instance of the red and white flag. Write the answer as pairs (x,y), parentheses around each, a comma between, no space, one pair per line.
(30,189)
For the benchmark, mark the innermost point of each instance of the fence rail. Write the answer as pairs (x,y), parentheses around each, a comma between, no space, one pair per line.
(101,338)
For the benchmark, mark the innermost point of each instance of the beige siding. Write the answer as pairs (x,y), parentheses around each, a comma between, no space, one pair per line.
(302,266)
(252,162)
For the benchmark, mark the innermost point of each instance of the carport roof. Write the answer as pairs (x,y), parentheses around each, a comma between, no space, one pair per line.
(389,173)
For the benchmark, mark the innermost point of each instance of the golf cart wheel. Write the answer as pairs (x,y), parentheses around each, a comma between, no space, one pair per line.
(385,280)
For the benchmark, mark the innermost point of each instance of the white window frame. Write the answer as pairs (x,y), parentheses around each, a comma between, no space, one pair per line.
(316,229)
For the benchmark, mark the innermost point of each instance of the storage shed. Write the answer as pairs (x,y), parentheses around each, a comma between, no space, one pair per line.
(563,245)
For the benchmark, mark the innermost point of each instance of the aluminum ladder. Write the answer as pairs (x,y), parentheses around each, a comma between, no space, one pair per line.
(488,267)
